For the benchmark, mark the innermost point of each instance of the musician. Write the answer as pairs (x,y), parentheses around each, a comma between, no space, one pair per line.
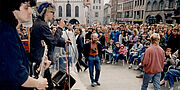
(13,60)
(41,32)
(92,51)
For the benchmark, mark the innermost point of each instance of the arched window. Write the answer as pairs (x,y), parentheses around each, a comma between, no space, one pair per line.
(76,11)
(171,3)
(60,11)
(154,6)
(161,5)
(148,6)
(68,10)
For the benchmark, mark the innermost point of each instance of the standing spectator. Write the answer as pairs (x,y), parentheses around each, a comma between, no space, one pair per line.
(153,62)
(92,51)
(162,40)
(173,41)
(125,39)
(167,36)
(115,35)
(107,36)
(80,44)
(88,35)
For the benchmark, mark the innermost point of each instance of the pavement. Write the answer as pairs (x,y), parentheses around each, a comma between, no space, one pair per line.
(115,77)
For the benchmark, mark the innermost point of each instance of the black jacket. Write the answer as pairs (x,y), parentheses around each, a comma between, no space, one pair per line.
(87,48)
(80,43)
(174,43)
(41,31)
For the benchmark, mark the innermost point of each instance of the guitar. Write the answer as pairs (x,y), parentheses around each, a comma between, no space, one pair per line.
(42,65)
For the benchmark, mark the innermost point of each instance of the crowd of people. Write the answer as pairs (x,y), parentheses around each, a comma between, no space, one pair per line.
(153,49)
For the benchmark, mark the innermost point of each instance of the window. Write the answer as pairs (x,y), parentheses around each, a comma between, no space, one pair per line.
(140,2)
(99,7)
(94,1)
(99,1)
(76,11)
(138,14)
(134,14)
(142,14)
(119,15)
(119,7)
(161,3)
(93,7)
(96,14)
(135,3)
(154,6)
(148,7)
(170,3)
(60,11)
(68,10)
(96,7)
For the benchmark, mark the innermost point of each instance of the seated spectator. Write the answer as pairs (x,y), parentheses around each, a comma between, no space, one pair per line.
(134,52)
(116,52)
(143,39)
(109,50)
(122,52)
(141,53)
(167,62)
(170,74)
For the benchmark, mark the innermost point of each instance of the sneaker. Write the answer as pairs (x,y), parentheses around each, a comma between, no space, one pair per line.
(98,83)
(93,85)
(115,63)
(172,88)
(112,62)
(139,76)
(108,62)
(162,82)
(137,68)
(130,66)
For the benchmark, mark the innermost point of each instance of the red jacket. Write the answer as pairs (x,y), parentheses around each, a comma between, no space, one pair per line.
(153,60)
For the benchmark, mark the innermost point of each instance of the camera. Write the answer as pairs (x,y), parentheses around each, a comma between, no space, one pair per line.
(94,50)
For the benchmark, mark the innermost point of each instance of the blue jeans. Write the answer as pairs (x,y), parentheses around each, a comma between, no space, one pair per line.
(140,57)
(109,54)
(132,56)
(170,76)
(155,78)
(94,61)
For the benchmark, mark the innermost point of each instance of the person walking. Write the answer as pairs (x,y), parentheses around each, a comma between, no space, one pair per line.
(92,51)
(153,62)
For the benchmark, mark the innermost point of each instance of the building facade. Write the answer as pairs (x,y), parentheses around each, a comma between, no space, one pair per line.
(107,14)
(160,11)
(96,12)
(70,10)
(139,11)
(120,11)
(128,10)
(113,10)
